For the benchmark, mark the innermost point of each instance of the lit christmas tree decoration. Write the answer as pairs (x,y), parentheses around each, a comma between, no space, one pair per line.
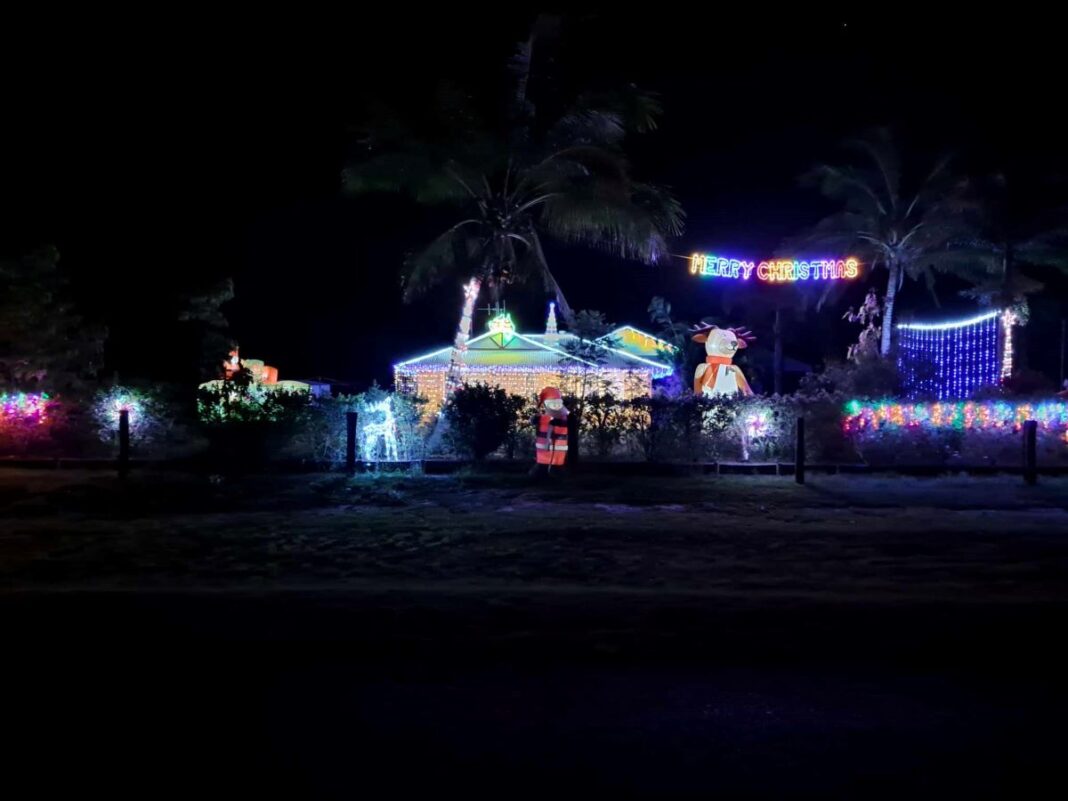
(552,335)
(951,360)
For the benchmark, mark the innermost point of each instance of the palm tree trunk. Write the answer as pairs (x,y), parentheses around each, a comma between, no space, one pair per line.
(463,332)
(888,308)
(777,364)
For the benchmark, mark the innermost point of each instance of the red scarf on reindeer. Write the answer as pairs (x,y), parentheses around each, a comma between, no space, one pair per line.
(708,377)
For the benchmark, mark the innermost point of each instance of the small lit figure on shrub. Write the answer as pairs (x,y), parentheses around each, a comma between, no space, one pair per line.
(717,376)
(550,442)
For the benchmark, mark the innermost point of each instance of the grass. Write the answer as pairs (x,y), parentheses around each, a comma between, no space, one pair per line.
(743,537)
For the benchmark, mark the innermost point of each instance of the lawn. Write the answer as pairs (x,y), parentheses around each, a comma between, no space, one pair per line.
(320,636)
(756,538)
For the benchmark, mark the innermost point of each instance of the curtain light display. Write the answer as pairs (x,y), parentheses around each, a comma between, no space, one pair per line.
(774,271)
(951,360)
(962,415)
(24,407)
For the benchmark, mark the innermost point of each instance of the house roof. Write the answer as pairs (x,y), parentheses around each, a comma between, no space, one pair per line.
(537,351)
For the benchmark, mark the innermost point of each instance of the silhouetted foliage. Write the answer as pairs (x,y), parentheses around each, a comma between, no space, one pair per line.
(479,419)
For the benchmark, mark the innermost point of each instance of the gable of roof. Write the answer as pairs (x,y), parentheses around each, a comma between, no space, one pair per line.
(640,343)
(531,350)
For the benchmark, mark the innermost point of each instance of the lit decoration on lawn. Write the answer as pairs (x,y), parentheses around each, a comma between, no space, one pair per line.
(112,402)
(379,432)
(774,271)
(757,424)
(951,360)
(962,415)
(24,408)
(717,376)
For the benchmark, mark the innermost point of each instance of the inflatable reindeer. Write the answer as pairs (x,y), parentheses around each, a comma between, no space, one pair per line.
(718,376)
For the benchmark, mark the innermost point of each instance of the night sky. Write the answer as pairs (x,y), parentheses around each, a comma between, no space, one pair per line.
(191,149)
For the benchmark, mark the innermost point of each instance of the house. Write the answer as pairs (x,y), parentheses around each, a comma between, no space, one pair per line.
(624,362)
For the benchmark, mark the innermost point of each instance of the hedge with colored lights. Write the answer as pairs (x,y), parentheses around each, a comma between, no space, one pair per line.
(26,420)
(954,432)
(961,415)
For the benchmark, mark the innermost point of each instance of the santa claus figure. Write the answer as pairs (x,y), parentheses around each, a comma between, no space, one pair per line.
(550,443)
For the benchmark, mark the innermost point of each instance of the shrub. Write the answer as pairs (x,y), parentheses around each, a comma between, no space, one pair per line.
(27,421)
(519,440)
(247,422)
(603,423)
(479,419)
(649,425)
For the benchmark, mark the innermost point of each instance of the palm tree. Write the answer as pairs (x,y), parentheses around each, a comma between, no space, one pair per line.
(891,226)
(517,179)
(1005,238)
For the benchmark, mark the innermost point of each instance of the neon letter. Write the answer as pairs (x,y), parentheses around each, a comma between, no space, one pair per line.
(762,271)
(748,267)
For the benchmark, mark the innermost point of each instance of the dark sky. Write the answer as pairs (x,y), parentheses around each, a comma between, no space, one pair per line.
(165,154)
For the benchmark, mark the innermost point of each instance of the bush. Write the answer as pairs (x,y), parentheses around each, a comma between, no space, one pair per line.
(246,422)
(603,423)
(480,419)
(649,425)
(27,422)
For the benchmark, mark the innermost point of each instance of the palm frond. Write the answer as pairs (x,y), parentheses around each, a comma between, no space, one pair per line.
(878,146)
(456,250)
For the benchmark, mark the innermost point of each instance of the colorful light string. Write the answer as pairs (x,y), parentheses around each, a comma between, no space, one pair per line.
(861,416)
(24,407)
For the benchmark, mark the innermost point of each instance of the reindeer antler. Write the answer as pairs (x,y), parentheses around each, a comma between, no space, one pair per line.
(743,334)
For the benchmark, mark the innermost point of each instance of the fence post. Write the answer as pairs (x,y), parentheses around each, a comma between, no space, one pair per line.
(573,455)
(1030,458)
(350,441)
(799,452)
(124,442)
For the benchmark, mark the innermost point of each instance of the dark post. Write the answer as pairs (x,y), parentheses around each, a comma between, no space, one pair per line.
(124,442)
(799,452)
(350,441)
(572,441)
(1030,432)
